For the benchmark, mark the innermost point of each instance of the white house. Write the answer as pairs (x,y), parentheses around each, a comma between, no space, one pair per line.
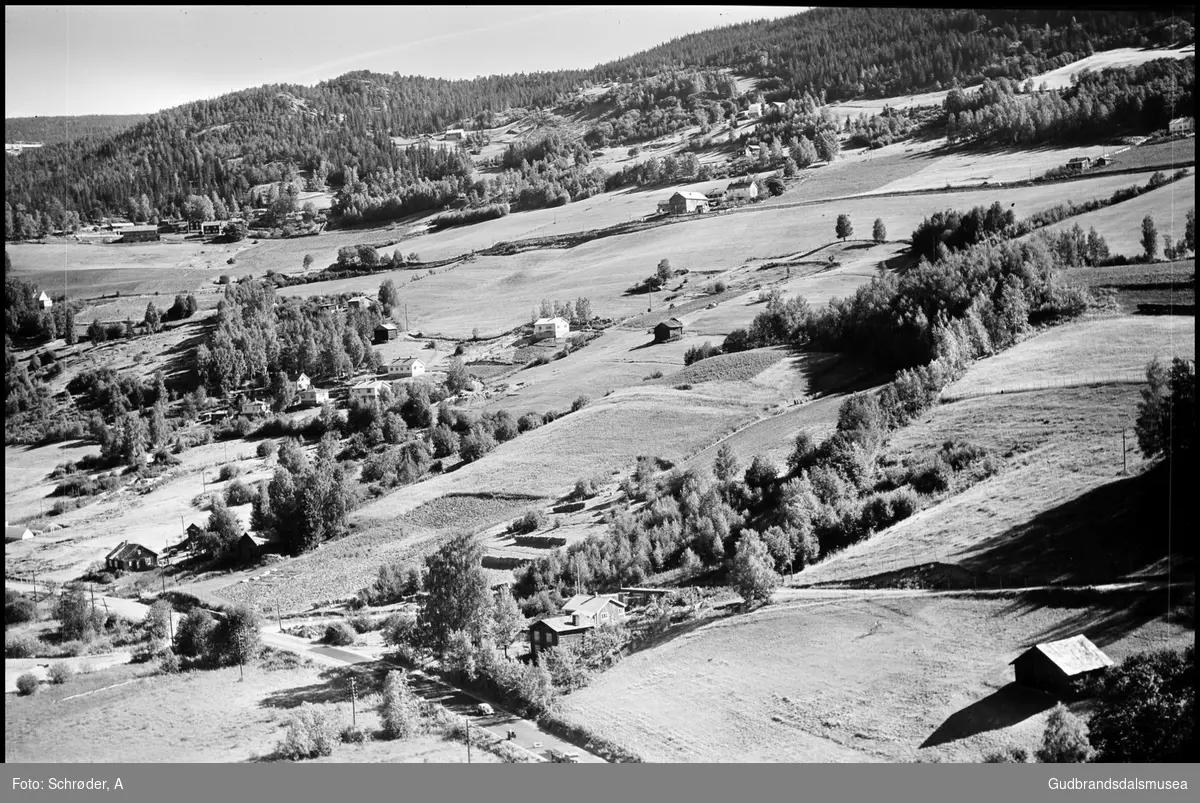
(303,383)
(44,301)
(754,110)
(254,408)
(368,390)
(556,328)
(454,134)
(1182,125)
(211,228)
(406,368)
(744,190)
(314,397)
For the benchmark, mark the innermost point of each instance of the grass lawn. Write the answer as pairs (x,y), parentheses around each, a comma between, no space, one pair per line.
(201,716)
(849,680)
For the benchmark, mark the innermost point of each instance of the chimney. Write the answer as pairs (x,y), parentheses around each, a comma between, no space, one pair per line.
(577,618)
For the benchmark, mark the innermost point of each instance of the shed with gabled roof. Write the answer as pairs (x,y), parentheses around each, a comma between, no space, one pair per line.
(1055,666)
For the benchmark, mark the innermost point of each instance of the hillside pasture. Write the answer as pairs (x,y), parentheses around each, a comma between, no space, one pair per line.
(1157,285)
(1057,511)
(973,167)
(1085,351)
(1121,224)
(878,678)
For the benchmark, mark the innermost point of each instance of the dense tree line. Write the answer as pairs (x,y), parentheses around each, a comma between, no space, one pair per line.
(52,130)
(1116,100)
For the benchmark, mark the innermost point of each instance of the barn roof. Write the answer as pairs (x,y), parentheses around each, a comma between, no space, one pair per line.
(387,326)
(407,362)
(126,551)
(1073,655)
(549,321)
(692,196)
(672,323)
(564,624)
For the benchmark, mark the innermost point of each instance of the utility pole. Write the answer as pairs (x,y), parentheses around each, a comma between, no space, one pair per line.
(406,316)
(92,588)
(1124,454)
(35,585)
(468,739)
(353,703)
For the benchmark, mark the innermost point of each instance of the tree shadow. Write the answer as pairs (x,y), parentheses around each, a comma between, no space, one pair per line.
(1103,616)
(1090,539)
(1002,708)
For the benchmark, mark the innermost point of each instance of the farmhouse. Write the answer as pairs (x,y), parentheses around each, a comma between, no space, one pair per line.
(1182,125)
(131,557)
(671,329)
(601,608)
(406,368)
(16,532)
(1056,665)
(545,328)
(314,397)
(359,302)
(682,203)
(715,196)
(454,134)
(754,110)
(303,382)
(1079,164)
(251,407)
(370,389)
(44,301)
(554,631)
(140,234)
(744,190)
(386,331)
(210,228)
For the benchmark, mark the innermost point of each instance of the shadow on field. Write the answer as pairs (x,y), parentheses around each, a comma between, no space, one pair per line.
(1098,537)
(334,687)
(1000,709)
(1104,617)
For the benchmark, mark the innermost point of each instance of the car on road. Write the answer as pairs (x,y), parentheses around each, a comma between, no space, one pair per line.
(560,757)
(484,710)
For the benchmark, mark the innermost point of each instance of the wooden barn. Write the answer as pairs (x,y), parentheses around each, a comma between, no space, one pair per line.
(129,557)
(140,234)
(671,329)
(1056,665)
(251,547)
(682,203)
(386,331)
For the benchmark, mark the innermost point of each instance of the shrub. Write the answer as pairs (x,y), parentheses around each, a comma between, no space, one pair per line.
(168,664)
(60,672)
(238,493)
(399,711)
(361,623)
(353,735)
(580,403)
(19,610)
(19,645)
(531,521)
(339,634)
(27,684)
(267,448)
(1009,755)
(311,732)
(229,471)
(701,352)
(1065,740)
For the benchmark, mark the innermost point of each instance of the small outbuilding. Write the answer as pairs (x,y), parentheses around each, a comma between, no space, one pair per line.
(129,557)
(359,302)
(250,408)
(44,301)
(550,328)
(386,331)
(668,330)
(251,547)
(1079,164)
(1056,665)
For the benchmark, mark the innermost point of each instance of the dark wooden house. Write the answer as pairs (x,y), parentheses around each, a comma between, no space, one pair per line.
(1056,665)
(671,329)
(557,630)
(129,557)
(386,331)
(251,547)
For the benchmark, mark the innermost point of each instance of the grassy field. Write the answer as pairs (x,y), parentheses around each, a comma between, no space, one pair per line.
(203,716)
(972,167)
(1156,285)
(1121,224)
(850,680)
(1097,349)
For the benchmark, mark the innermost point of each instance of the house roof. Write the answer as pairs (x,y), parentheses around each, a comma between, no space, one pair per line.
(315,390)
(741,184)
(549,321)
(564,624)
(1073,655)
(691,196)
(43,296)
(359,300)
(373,384)
(407,362)
(593,604)
(126,551)
(258,540)
(387,326)
(671,323)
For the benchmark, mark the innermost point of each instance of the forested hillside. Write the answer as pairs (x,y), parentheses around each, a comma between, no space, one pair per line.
(53,130)
(341,129)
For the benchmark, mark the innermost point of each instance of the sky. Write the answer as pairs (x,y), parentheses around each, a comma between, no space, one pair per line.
(68,60)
